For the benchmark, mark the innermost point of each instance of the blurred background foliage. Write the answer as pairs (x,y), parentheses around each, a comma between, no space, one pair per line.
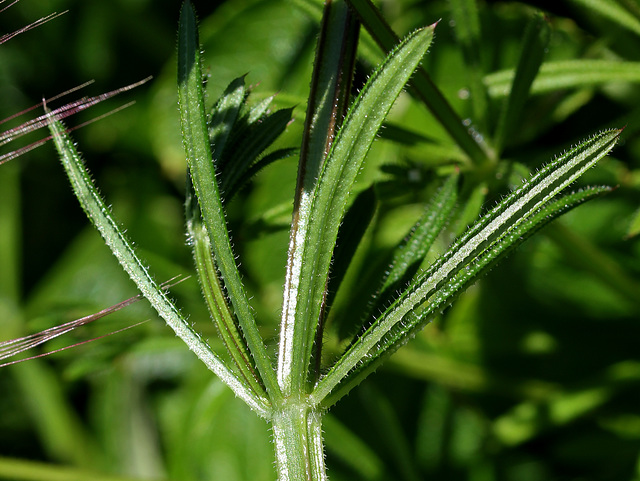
(534,374)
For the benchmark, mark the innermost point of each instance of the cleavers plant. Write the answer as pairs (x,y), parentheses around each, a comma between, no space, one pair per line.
(225,147)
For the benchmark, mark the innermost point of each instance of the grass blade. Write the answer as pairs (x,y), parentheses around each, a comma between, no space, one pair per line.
(501,229)
(202,169)
(324,212)
(114,237)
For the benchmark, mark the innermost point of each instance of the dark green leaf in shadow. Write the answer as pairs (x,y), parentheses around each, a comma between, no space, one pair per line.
(247,146)
(345,445)
(223,117)
(534,44)
(613,11)
(355,225)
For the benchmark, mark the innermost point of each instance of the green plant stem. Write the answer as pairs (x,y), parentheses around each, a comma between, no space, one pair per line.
(297,434)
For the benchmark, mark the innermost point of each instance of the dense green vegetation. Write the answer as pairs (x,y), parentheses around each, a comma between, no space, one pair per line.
(533,374)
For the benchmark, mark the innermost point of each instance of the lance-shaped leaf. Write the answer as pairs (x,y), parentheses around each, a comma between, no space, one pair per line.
(501,229)
(195,136)
(422,313)
(410,253)
(328,100)
(224,114)
(247,144)
(322,214)
(100,215)
(216,297)
(237,135)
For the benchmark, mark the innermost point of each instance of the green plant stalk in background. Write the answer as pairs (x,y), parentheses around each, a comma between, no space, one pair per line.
(294,390)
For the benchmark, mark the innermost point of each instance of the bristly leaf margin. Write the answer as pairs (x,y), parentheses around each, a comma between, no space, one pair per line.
(505,226)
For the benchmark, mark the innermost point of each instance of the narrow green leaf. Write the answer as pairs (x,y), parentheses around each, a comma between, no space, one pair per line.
(321,213)
(335,52)
(500,230)
(439,299)
(328,99)
(239,135)
(467,29)
(422,86)
(215,296)
(407,257)
(224,115)
(256,167)
(202,169)
(100,215)
(567,74)
(611,10)
(536,39)
(257,112)
(254,142)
